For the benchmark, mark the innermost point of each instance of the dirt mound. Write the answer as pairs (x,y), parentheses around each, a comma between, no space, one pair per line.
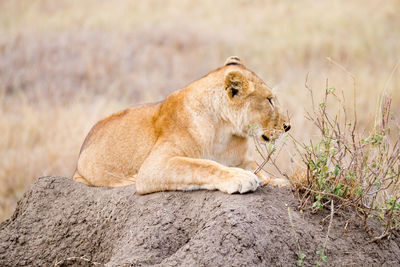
(64,223)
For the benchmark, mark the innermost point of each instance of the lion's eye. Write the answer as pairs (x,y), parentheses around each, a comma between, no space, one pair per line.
(270,101)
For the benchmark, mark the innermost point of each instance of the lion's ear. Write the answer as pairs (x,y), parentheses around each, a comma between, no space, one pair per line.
(236,85)
(233,60)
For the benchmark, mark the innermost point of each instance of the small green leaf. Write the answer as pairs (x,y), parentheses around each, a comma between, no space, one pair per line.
(336,171)
(317,204)
(324,169)
(330,89)
(339,192)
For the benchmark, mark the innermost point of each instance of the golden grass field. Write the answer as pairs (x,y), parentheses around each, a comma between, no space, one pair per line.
(66,64)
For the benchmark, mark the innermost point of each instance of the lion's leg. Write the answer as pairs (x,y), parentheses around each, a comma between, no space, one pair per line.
(111,180)
(160,173)
(251,165)
(79,178)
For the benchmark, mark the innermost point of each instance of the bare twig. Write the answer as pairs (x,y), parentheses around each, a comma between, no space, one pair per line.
(83,258)
(327,233)
(294,233)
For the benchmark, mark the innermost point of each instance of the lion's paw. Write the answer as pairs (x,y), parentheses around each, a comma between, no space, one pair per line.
(239,180)
(280,182)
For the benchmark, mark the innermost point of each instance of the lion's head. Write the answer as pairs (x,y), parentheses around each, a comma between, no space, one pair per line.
(253,101)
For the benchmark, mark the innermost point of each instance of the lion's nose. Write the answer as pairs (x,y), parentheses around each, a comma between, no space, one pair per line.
(286,127)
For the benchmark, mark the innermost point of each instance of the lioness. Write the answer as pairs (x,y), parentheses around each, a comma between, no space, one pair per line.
(198,138)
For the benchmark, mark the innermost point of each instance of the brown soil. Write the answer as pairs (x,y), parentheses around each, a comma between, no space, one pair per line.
(64,223)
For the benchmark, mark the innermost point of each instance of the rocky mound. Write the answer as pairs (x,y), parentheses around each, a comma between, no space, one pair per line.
(63,223)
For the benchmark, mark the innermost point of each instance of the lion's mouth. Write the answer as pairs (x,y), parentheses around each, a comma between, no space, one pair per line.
(266,139)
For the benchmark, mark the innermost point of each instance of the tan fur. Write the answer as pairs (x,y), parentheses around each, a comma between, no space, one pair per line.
(198,138)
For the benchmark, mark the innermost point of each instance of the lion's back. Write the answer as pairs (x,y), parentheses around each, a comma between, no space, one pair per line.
(119,143)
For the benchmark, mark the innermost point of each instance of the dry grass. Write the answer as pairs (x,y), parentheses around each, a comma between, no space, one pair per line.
(66,64)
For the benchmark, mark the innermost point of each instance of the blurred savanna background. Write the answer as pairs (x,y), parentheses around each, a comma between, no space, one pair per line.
(65,64)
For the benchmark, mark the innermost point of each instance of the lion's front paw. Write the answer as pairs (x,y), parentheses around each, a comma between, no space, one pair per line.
(280,182)
(238,180)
